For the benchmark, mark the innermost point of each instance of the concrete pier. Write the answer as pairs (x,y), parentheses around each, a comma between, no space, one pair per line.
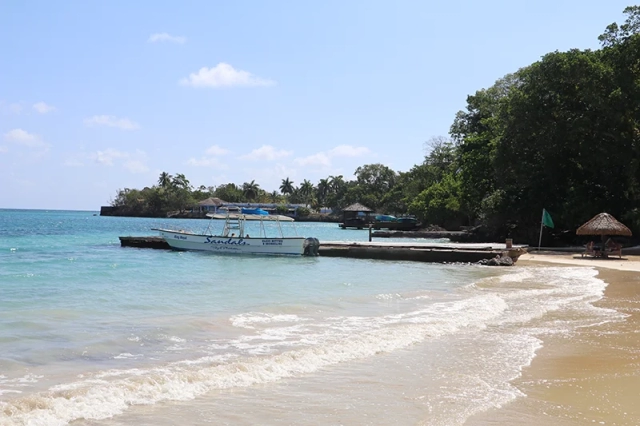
(445,253)
(421,252)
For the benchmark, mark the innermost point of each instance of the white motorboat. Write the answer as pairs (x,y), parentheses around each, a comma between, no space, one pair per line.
(233,239)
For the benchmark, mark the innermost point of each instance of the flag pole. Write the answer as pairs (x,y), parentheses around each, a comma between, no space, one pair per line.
(541,226)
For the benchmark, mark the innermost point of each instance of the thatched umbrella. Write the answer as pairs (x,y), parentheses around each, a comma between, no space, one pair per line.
(603,224)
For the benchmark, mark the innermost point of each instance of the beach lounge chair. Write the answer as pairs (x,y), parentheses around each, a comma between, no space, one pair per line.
(589,250)
(613,248)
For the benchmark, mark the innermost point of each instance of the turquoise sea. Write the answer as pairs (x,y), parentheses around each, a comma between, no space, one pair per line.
(93,333)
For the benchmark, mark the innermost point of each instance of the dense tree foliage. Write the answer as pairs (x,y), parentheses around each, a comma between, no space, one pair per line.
(562,134)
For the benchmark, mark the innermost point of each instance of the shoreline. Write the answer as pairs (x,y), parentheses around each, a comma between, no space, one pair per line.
(593,376)
(626,263)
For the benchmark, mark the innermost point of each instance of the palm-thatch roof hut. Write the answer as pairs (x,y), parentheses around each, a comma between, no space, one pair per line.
(603,224)
(210,204)
(357,207)
(356,216)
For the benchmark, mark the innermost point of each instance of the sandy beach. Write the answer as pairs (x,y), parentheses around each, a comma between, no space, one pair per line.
(589,378)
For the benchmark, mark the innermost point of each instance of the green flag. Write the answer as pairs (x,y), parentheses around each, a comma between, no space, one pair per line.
(546,219)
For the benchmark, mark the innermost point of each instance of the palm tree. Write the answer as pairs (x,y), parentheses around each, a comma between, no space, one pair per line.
(295,197)
(306,190)
(275,197)
(322,190)
(336,183)
(165,180)
(181,181)
(287,186)
(250,189)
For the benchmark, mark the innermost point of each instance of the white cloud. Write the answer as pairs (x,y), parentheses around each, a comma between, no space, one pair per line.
(270,177)
(224,75)
(210,159)
(43,108)
(323,159)
(19,135)
(73,162)
(216,150)
(24,138)
(320,159)
(206,162)
(134,162)
(348,151)
(111,121)
(135,166)
(107,156)
(160,37)
(266,153)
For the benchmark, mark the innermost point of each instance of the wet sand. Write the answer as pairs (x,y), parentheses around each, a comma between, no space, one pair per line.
(589,378)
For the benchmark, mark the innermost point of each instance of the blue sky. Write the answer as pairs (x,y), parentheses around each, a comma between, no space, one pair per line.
(101,95)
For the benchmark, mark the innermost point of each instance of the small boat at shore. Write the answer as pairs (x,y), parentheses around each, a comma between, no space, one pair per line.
(233,239)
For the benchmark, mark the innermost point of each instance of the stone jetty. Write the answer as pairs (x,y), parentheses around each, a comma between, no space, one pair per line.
(421,252)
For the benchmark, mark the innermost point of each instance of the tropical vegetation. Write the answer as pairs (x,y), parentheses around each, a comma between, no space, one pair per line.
(561,134)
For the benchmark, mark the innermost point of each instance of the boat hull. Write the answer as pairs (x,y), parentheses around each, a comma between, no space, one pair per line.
(233,245)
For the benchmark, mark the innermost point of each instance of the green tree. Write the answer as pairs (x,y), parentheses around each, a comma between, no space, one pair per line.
(165,180)
(373,182)
(180,181)
(274,197)
(306,191)
(322,190)
(296,197)
(439,204)
(250,190)
(560,134)
(616,34)
(336,196)
(476,133)
(287,186)
(229,192)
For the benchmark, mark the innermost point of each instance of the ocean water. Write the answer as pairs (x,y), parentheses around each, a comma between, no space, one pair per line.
(93,333)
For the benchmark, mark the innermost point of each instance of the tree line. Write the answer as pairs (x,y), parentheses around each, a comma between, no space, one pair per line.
(562,134)
(176,193)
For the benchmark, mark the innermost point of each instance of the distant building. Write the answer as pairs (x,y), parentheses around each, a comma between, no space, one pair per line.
(212,205)
(357,216)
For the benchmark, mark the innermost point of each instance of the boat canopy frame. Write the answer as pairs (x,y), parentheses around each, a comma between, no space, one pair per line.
(236,221)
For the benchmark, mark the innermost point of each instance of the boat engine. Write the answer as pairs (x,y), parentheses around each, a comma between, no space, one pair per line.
(311,247)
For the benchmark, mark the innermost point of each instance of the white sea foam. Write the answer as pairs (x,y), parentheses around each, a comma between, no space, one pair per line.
(250,319)
(388,296)
(127,355)
(366,337)
(539,301)
(516,277)
(20,381)
(494,328)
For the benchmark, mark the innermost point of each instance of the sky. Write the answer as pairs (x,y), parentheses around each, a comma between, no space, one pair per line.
(96,96)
